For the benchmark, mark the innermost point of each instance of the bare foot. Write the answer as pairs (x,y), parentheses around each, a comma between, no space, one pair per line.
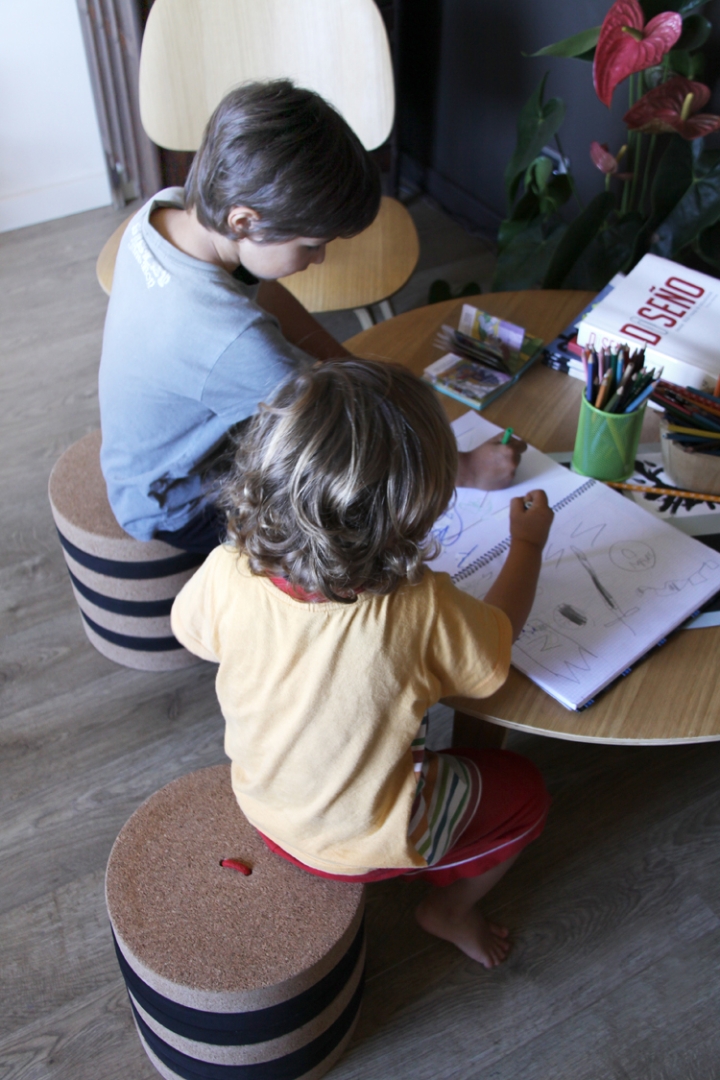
(467,928)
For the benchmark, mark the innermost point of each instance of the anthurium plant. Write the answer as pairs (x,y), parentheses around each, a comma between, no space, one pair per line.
(661,190)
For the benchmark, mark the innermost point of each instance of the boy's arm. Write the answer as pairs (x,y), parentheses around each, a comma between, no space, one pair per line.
(514,589)
(492,465)
(297,324)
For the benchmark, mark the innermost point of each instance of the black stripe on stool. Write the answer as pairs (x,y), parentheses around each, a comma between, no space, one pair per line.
(136,609)
(126,641)
(137,571)
(289,1067)
(243,1028)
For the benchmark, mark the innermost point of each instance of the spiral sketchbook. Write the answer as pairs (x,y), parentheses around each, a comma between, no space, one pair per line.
(615,580)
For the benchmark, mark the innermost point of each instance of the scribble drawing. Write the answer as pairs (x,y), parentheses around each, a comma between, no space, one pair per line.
(553,556)
(539,641)
(633,555)
(585,563)
(449,528)
(462,515)
(675,586)
(565,613)
(463,556)
(583,530)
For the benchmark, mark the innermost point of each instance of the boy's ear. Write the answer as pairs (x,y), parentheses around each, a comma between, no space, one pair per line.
(242,220)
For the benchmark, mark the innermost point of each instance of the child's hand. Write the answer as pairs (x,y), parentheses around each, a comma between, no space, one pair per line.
(491,465)
(531,518)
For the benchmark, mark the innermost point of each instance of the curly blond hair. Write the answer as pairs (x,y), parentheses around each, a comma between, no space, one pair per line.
(339,478)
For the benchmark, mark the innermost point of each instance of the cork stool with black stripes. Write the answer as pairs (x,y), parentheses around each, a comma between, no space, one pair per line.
(124,587)
(238,965)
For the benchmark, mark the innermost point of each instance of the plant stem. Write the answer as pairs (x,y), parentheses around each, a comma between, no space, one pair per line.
(637,163)
(631,150)
(646,177)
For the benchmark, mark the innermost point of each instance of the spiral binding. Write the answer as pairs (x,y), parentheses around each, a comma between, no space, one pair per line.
(503,546)
(574,495)
(478,564)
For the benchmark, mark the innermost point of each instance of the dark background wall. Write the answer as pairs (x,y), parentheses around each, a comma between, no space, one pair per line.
(462,80)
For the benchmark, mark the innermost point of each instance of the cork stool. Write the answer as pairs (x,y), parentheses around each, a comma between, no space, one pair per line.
(231,976)
(124,587)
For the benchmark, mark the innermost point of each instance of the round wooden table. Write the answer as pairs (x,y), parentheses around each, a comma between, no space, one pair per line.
(673,696)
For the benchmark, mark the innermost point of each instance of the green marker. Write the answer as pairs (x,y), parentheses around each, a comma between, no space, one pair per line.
(507,435)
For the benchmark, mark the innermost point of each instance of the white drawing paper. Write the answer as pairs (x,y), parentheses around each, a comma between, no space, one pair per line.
(614,582)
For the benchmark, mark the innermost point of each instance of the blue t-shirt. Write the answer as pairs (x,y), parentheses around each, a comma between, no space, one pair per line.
(187,354)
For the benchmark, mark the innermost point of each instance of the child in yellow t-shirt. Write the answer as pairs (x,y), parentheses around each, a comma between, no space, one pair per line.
(333,640)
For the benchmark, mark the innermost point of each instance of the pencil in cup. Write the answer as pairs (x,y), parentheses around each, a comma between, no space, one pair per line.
(606,443)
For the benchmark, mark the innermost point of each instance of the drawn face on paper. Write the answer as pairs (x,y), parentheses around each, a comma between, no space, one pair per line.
(633,555)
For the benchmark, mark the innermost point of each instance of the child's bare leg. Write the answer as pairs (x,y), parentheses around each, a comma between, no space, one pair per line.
(450,913)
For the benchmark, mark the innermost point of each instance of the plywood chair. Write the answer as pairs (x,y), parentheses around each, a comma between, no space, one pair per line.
(195,51)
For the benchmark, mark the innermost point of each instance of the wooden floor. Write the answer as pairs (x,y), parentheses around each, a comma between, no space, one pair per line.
(615,911)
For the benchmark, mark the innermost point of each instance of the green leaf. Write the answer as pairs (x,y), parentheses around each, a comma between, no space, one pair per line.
(556,194)
(695,32)
(576,45)
(523,262)
(652,8)
(537,124)
(526,209)
(685,7)
(610,251)
(673,176)
(697,210)
(538,173)
(685,63)
(509,231)
(707,245)
(577,237)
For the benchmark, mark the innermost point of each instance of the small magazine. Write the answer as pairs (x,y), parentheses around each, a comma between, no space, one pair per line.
(488,355)
(467,380)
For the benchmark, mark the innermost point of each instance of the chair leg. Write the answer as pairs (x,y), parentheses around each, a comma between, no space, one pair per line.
(386,309)
(365,316)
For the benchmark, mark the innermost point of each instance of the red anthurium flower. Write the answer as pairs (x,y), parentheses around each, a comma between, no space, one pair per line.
(627,45)
(606,163)
(673,106)
(602,158)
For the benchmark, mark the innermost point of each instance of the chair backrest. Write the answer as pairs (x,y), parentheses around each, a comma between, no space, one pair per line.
(195,51)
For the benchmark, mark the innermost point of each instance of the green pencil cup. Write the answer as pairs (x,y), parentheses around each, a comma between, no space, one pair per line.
(606,443)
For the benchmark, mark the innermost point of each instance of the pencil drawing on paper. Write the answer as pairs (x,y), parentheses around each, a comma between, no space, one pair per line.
(555,652)
(567,613)
(670,588)
(633,555)
(614,579)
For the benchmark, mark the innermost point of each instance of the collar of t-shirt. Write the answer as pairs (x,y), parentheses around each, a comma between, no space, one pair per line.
(298,593)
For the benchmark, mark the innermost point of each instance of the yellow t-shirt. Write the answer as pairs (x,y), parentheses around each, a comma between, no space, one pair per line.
(322,701)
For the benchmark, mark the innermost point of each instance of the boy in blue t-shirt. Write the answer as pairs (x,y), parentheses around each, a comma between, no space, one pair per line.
(198,329)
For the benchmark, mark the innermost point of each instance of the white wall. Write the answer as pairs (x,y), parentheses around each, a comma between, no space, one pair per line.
(51,158)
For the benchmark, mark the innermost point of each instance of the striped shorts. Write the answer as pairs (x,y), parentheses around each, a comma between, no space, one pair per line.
(511,812)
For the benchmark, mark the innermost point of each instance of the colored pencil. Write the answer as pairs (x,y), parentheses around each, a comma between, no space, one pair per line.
(662,491)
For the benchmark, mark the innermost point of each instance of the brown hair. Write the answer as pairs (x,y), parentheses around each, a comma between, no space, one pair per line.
(339,479)
(287,154)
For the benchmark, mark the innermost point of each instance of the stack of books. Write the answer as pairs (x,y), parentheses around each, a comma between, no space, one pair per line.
(667,309)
